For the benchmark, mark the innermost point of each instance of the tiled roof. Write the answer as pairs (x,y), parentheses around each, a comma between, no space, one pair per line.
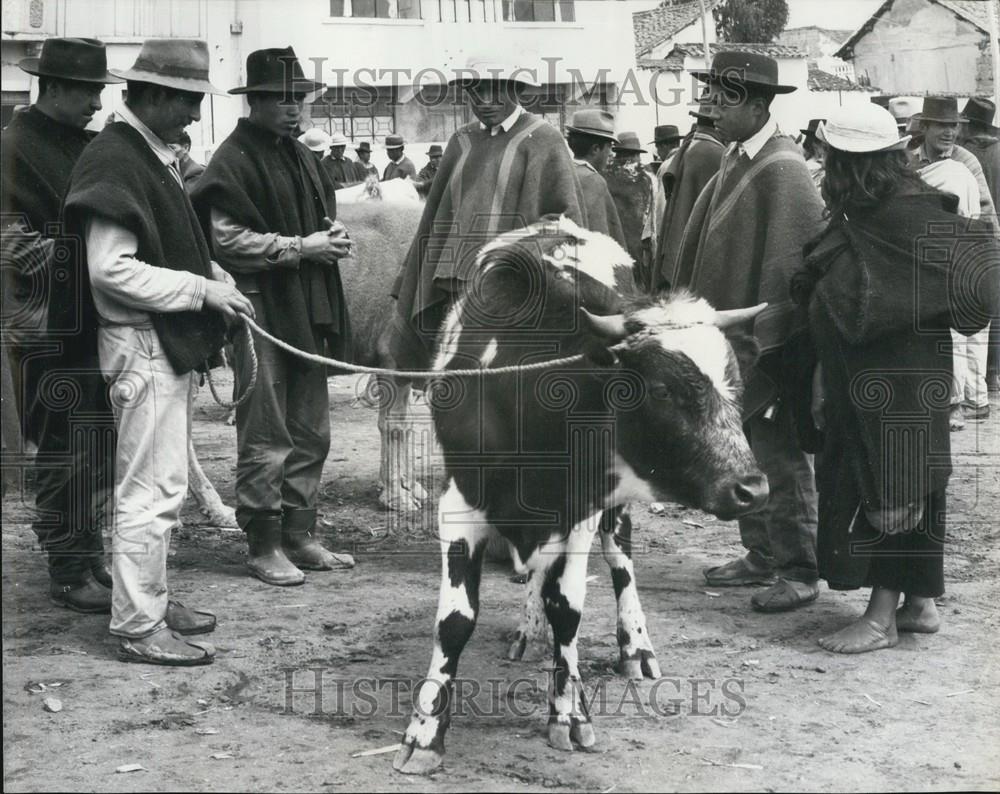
(974,11)
(824,81)
(674,62)
(656,25)
(697,50)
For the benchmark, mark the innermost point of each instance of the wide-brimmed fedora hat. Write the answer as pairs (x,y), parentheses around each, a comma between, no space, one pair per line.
(276,71)
(593,121)
(810,130)
(748,68)
(628,142)
(364,146)
(435,151)
(173,63)
(339,139)
(666,133)
(866,128)
(479,69)
(942,109)
(394,142)
(83,60)
(316,139)
(980,111)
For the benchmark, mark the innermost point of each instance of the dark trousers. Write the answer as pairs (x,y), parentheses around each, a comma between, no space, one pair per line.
(282,430)
(783,534)
(75,472)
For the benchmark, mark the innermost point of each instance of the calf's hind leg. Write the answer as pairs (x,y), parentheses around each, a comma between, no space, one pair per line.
(462,532)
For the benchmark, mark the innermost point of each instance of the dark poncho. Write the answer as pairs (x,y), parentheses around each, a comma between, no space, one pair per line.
(883,291)
(271,184)
(600,212)
(38,156)
(119,178)
(632,190)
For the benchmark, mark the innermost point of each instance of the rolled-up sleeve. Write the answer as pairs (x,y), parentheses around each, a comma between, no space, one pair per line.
(242,250)
(117,274)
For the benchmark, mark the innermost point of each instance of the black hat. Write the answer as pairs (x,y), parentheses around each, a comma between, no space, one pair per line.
(810,132)
(435,150)
(364,146)
(980,111)
(666,133)
(943,109)
(83,60)
(276,71)
(749,68)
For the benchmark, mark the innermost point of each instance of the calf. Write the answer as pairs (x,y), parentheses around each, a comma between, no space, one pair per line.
(545,457)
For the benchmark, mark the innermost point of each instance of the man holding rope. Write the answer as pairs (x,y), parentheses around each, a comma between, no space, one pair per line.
(156,315)
(268,207)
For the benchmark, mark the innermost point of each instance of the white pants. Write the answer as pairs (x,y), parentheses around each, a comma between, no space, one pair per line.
(969,364)
(153,416)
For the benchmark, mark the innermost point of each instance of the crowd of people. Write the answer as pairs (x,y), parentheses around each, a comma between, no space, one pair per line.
(134,259)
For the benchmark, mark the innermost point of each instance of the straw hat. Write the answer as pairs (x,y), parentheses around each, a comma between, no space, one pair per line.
(339,139)
(868,128)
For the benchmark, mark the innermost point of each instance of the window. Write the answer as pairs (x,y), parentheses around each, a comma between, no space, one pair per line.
(463,10)
(539,11)
(362,114)
(375,9)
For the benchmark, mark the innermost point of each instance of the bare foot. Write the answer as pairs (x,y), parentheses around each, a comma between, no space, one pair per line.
(861,636)
(919,617)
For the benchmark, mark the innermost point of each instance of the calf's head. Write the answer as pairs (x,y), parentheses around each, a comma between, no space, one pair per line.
(681,438)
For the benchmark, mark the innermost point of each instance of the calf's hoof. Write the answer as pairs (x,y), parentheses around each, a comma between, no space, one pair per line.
(527,649)
(642,664)
(579,731)
(398,500)
(413,760)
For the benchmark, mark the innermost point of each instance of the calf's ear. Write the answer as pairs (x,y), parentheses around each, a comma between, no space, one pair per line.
(747,351)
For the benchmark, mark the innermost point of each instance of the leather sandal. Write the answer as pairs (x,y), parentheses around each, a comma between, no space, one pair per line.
(165,647)
(183,620)
(784,597)
(738,573)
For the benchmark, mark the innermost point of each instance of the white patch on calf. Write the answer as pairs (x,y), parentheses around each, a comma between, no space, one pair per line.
(449,335)
(630,488)
(489,353)
(701,341)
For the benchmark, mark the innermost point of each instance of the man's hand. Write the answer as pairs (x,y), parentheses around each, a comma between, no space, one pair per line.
(329,245)
(227,299)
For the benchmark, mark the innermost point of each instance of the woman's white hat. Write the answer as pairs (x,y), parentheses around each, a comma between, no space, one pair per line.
(866,128)
(339,139)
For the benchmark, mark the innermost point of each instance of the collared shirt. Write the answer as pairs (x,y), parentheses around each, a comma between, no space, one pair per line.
(507,123)
(126,289)
(751,146)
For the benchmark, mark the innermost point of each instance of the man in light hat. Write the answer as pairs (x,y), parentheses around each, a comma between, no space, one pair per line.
(271,210)
(503,171)
(40,147)
(400,166)
(364,168)
(633,190)
(940,122)
(158,312)
(590,137)
(340,168)
(317,141)
(740,247)
(686,175)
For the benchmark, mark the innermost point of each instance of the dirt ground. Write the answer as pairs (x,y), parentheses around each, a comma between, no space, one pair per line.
(748,702)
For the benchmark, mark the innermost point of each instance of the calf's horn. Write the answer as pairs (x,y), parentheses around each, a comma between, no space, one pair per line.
(726,319)
(611,327)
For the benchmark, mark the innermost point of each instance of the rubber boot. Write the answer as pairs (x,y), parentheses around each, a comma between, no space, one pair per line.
(302,547)
(267,560)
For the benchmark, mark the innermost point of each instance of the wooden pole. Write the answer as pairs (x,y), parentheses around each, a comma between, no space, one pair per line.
(994,10)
